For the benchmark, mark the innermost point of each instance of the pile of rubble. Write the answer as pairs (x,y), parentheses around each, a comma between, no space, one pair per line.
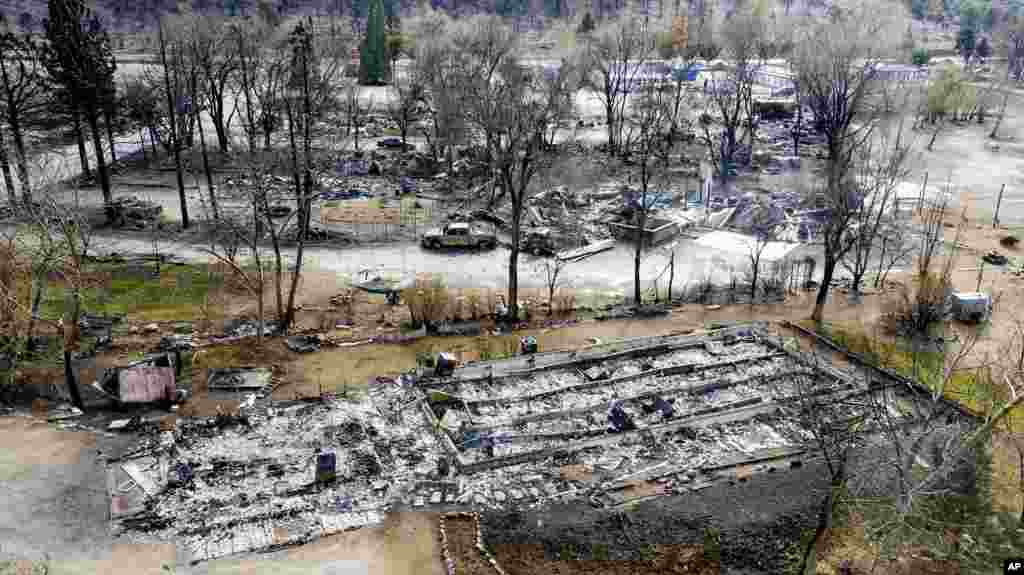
(131,212)
(673,415)
(277,475)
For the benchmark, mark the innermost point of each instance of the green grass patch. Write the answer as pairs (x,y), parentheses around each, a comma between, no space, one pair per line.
(177,293)
(972,388)
(921,365)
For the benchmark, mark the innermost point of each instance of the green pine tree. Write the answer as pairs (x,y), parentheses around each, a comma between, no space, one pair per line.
(372,57)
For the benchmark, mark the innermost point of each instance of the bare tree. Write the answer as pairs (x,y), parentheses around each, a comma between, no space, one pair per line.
(201,53)
(61,238)
(269,80)
(613,57)
(925,304)
(878,174)
(560,86)
(247,46)
(14,319)
(406,99)
(512,115)
(217,59)
(24,84)
(170,91)
(144,111)
(551,270)
(895,249)
(315,63)
(729,94)
(1012,426)
(994,134)
(834,427)
(763,233)
(5,169)
(835,61)
(247,232)
(357,112)
(652,119)
(928,445)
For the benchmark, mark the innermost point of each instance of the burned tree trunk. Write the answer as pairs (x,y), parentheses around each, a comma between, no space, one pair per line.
(209,173)
(97,144)
(175,143)
(108,117)
(83,156)
(5,166)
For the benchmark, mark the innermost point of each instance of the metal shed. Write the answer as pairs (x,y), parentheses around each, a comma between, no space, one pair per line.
(971,306)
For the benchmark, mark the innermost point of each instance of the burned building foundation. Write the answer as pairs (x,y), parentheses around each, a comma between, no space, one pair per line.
(608,426)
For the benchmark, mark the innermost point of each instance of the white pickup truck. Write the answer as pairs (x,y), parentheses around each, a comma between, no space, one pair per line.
(461,235)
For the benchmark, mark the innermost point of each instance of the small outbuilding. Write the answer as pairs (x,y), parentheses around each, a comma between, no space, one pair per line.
(971,306)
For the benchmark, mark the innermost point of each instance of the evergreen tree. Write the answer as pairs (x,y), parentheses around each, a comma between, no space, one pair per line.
(587,25)
(372,57)
(79,58)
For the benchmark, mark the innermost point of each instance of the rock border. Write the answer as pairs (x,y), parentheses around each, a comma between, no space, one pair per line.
(448,560)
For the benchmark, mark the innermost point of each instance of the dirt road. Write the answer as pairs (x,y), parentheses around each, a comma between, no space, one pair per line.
(53,502)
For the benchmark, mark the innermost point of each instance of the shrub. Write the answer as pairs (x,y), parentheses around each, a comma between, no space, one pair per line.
(428,301)
(920,57)
(922,306)
(425,358)
(564,303)
(473,300)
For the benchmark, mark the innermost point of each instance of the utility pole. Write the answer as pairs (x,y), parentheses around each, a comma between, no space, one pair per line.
(920,201)
(999,201)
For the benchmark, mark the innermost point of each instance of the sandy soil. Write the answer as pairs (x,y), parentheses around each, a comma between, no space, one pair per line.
(406,544)
(962,159)
(53,512)
(528,559)
(54,503)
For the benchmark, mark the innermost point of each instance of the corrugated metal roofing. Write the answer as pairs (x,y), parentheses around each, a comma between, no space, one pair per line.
(146,384)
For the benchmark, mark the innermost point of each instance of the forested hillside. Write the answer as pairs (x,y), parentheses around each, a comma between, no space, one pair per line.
(133,15)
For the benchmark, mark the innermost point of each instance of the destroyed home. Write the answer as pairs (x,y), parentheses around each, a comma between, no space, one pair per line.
(714,288)
(681,414)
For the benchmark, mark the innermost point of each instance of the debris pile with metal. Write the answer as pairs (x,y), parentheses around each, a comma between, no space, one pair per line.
(129,212)
(605,425)
(674,414)
(233,484)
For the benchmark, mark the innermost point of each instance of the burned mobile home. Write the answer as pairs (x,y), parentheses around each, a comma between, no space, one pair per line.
(694,425)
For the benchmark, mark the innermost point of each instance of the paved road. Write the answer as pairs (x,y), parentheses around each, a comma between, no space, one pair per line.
(610,271)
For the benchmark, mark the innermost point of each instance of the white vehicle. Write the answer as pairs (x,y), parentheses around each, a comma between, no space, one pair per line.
(459,235)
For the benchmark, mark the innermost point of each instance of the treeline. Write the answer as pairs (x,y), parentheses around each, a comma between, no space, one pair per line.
(126,16)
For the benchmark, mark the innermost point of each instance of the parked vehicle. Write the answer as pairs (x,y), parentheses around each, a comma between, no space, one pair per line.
(394,144)
(459,235)
(539,242)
